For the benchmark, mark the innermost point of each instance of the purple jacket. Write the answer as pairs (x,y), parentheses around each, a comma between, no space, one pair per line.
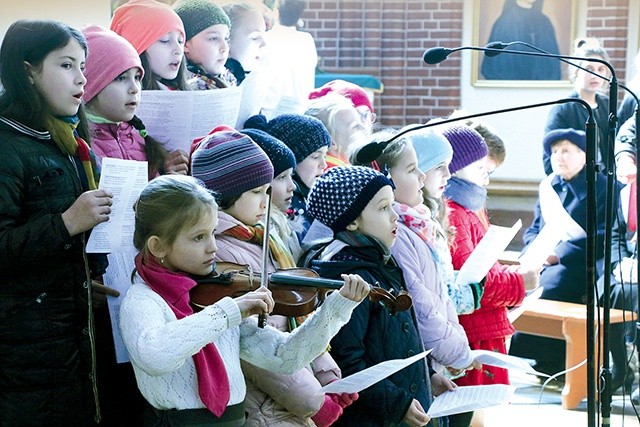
(437,319)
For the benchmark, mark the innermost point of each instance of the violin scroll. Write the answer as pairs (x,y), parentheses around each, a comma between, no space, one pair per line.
(393,303)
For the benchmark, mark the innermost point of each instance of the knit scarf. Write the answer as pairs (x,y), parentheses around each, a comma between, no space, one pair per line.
(419,220)
(173,287)
(63,132)
(256,235)
(359,240)
(466,194)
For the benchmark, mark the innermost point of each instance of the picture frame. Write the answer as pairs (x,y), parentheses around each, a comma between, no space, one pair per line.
(549,25)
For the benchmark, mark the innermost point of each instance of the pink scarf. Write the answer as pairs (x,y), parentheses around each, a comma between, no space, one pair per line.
(173,287)
(418,219)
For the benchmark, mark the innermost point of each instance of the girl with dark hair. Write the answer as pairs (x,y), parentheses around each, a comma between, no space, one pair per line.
(50,202)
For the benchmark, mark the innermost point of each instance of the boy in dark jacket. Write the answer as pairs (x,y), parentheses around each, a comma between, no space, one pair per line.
(355,202)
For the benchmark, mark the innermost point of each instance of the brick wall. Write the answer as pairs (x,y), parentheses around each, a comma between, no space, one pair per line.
(387,39)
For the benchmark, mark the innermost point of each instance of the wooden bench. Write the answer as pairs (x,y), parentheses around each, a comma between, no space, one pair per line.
(566,321)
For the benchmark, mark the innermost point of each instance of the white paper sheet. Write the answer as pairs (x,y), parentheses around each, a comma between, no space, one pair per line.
(367,377)
(253,95)
(500,360)
(125,179)
(175,118)
(542,246)
(486,253)
(531,296)
(471,398)
(118,277)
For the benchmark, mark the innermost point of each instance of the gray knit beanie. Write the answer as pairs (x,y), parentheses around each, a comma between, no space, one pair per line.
(198,15)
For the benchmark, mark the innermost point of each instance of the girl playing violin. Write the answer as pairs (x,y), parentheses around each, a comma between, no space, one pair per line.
(187,364)
(240,173)
(356,203)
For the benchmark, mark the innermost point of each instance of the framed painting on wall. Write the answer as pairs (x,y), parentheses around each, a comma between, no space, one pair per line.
(548,25)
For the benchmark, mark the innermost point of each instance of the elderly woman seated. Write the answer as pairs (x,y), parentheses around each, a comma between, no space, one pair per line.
(559,225)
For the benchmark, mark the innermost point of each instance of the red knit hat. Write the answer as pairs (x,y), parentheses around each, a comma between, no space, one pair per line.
(109,56)
(355,93)
(143,22)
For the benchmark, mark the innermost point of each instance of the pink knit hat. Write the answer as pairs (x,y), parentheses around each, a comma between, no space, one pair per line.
(109,56)
(352,91)
(143,22)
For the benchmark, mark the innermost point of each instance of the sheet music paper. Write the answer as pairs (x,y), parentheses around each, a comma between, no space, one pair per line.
(486,253)
(500,360)
(470,398)
(542,246)
(125,179)
(367,377)
(118,277)
(515,312)
(175,118)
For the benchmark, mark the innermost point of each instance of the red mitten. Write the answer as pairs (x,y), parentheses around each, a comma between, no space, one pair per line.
(329,412)
(343,399)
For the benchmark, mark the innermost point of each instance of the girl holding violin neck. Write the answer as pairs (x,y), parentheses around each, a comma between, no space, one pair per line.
(187,364)
(240,173)
(355,202)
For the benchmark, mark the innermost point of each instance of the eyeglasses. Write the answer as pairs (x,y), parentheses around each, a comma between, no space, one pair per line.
(367,116)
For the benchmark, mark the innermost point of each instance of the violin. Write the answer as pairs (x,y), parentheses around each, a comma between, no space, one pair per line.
(296,291)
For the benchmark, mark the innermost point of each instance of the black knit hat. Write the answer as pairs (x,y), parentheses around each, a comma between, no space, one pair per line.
(340,195)
(301,133)
(198,15)
(281,156)
(576,137)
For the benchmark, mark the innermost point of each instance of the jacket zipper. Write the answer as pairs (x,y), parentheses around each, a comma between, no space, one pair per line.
(90,319)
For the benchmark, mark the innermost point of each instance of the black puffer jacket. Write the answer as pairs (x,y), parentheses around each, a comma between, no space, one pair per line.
(373,336)
(45,352)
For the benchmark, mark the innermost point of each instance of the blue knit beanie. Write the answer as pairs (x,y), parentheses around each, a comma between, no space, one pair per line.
(468,146)
(339,196)
(577,137)
(281,156)
(431,148)
(302,134)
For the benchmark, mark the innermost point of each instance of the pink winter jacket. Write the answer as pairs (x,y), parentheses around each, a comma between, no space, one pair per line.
(118,141)
(275,399)
(503,288)
(438,322)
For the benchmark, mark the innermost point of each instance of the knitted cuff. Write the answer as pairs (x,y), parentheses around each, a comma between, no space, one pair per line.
(329,412)
(477,289)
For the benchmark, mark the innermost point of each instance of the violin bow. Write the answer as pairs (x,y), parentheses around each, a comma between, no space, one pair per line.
(264,277)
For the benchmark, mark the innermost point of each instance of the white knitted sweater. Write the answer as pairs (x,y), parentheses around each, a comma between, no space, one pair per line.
(161,347)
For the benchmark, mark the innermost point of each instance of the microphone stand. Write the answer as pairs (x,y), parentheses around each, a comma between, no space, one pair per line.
(439,54)
(607,278)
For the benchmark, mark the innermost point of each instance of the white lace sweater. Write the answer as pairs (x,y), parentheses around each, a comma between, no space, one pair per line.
(161,347)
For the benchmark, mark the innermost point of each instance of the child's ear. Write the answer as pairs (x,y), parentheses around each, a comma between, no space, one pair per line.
(156,247)
(354,225)
(29,69)
(186,46)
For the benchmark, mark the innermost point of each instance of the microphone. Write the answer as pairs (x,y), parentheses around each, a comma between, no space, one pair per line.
(436,55)
(370,152)
(498,47)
